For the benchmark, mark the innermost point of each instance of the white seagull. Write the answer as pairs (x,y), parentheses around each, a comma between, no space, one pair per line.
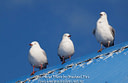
(66,48)
(104,33)
(37,56)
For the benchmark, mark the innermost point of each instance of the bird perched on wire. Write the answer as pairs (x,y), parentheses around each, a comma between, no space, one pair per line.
(37,56)
(66,48)
(104,32)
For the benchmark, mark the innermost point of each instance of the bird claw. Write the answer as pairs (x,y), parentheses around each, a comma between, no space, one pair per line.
(99,50)
(63,62)
(69,57)
(32,73)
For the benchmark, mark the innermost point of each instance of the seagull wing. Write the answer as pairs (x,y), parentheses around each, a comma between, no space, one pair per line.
(59,54)
(43,52)
(44,55)
(94,30)
(112,31)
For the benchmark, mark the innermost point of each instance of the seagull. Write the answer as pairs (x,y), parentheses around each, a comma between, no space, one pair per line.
(37,56)
(66,48)
(104,32)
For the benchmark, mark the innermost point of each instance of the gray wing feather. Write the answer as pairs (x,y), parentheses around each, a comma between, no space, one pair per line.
(44,52)
(112,31)
(59,54)
(45,55)
(58,48)
(94,30)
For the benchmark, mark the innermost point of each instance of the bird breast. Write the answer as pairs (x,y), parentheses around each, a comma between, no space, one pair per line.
(36,57)
(66,48)
(103,34)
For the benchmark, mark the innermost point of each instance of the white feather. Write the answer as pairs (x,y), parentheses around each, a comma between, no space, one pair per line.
(37,55)
(103,32)
(66,47)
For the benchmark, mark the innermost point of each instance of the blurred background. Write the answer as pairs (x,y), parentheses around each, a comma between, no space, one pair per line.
(45,21)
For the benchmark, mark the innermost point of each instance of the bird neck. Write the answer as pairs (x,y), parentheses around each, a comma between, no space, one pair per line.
(66,39)
(103,20)
(37,46)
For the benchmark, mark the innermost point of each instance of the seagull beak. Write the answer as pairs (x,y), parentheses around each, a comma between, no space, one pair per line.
(69,36)
(30,44)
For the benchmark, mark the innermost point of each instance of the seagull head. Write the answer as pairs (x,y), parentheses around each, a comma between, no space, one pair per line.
(103,14)
(34,43)
(66,35)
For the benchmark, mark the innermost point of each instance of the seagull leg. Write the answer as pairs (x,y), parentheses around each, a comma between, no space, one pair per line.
(63,60)
(70,57)
(41,67)
(108,43)
(100,48)
(33,71)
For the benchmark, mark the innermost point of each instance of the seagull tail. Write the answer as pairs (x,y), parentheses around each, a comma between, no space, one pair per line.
(113,44)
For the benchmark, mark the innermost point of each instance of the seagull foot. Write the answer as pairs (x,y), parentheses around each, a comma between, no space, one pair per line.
(32,73)
(41,67)
(69,57)
(63,62)
(99,50)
